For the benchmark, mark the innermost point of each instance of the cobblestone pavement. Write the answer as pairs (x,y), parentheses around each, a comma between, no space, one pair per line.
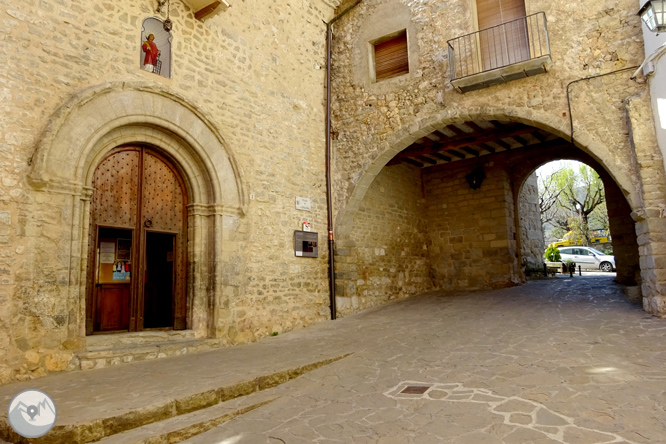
(553,361)
(557,361)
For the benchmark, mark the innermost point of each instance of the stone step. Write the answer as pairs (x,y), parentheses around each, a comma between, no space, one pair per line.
(103,424)
(102,356)
(182,427)
(137,338)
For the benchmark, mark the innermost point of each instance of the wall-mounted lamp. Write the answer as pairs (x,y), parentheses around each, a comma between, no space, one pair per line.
(475,178)
(168,24)
(653,14)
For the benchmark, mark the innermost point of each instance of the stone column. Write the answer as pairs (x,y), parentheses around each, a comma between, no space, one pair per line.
(650,218)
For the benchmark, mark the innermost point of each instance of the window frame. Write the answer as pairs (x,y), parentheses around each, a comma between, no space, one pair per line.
(372,48)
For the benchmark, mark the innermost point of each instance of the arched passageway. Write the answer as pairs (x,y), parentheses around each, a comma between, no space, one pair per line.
(444,214)
(622,226)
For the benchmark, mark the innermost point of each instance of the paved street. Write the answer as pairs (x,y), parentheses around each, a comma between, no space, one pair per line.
(555,361)
(563,361)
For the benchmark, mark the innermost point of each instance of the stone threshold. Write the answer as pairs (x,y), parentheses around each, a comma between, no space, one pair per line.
(212,406)
(122,348)
(137,338)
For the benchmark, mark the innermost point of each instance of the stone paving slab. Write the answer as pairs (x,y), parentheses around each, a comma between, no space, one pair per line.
(553,361)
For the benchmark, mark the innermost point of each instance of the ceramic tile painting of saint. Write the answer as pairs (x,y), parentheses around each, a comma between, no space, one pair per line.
(155,48)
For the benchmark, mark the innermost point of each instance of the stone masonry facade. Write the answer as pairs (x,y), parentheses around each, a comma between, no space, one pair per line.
(242,115)
(243,121)
(390,255)
(472,242)
(595,48)
(531,232)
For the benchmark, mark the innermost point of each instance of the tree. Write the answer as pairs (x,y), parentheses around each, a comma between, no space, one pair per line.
(549,193)
(571,198)
(552,254)
(583,192)
(599,218)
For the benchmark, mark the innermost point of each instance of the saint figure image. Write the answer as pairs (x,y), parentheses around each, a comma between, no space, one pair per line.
(152,53)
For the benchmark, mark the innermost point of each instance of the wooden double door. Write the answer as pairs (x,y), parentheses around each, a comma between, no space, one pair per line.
(136,277)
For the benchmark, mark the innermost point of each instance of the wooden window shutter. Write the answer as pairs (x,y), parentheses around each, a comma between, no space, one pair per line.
(489,13)
(391,57)
(495,12)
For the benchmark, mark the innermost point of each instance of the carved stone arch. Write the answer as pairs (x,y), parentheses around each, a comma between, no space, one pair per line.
(622,226)
(95,121)
(401,139)
(103,115)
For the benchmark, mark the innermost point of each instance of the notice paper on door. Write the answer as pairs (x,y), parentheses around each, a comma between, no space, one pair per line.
(107,252)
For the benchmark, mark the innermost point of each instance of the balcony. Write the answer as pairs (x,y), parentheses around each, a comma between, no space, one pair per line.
(513,50)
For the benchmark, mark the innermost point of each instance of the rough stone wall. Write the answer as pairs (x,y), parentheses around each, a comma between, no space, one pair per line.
(256,70)
(386,256)
(532,245)
(651,218)
(371,119)
(375,121)
(471,239)
(623,232)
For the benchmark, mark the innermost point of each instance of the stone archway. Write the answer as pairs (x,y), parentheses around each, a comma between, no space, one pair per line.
(350,199)
(619,171)
(97,120)
(622,226)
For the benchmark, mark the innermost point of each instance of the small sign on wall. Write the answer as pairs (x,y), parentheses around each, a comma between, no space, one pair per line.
(303,203)
(306,226)
(306,244)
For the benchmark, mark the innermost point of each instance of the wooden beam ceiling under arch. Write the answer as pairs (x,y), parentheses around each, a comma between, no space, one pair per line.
(471,139)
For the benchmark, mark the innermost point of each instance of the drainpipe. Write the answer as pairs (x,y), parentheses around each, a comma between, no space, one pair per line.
(329,194)
(571,121)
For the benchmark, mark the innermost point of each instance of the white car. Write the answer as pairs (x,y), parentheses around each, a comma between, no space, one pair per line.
(588,257)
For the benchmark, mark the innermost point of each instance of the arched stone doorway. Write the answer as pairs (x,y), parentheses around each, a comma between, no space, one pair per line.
(109,119)
(137,247)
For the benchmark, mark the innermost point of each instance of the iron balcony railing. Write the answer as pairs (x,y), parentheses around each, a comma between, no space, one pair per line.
(512,42)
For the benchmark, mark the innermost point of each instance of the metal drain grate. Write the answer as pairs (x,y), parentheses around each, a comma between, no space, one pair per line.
(415,389)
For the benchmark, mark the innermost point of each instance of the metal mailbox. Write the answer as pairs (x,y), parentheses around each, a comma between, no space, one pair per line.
(306,244)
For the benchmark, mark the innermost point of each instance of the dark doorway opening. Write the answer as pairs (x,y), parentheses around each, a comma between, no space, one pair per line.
(159,285)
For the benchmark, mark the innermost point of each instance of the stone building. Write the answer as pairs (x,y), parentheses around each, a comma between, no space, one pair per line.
(150,211)
(654,65)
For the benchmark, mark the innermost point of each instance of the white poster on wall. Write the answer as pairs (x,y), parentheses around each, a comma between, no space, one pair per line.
(107,252)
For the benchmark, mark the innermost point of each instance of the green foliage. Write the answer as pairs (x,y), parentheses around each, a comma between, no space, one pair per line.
(553,254)
(274,333)
(580,229)
(573,199)
(605,249)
